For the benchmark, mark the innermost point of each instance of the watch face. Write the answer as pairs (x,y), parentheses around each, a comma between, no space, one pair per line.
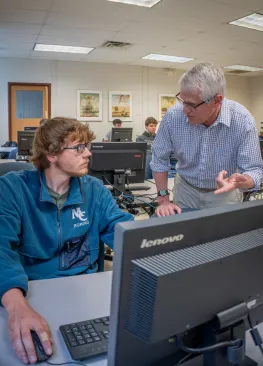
(163,192)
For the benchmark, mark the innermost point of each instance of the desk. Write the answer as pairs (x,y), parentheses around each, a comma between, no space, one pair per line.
(73,299)
(6,149)
(8,160)
(152,191)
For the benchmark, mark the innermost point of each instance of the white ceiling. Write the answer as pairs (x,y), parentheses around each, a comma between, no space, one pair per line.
(189,28)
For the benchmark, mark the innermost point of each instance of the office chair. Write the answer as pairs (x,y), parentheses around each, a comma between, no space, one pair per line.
(14,167)
(13,153)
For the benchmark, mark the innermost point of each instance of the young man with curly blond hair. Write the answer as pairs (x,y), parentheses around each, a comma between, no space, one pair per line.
(52,221)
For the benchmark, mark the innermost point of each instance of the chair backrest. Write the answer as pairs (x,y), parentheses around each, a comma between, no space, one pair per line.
(14,166)
(13,153)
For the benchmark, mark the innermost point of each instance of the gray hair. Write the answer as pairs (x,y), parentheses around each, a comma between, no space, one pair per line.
(204,78)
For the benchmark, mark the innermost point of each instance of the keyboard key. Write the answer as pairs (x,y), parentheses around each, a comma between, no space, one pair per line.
(85,332)
(91,330)
(75,329)
(106,322)
(106,318)
(93,334)
(89,326)
(96,339)
(97,321)
(82,327)
(77,333)
(86,336)
(105,332)
(71,337)
(80,342)
(89,340)
(73,344)
(79,337)
(106,336)
(67,329)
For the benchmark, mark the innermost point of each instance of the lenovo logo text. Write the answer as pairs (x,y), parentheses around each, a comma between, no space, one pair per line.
(169,239)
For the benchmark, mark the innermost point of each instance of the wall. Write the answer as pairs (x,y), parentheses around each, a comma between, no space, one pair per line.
(67,77)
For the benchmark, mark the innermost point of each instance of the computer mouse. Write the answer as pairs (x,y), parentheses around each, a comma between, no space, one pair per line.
(40,352)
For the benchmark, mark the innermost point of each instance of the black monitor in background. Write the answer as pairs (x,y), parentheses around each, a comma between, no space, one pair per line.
(28,128)
(24,144)
(261,147)
(122,134)
(187,281)
(117,163)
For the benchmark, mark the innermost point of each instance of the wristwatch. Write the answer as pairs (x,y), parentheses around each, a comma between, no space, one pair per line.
(163,193)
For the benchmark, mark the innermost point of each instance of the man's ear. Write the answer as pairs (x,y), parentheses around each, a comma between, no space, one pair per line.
(51,158)
(218,98)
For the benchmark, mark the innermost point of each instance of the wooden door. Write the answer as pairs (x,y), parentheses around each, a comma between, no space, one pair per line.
(28,104)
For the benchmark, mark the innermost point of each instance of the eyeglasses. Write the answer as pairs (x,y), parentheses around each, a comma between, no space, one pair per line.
(190,105)
(80,148)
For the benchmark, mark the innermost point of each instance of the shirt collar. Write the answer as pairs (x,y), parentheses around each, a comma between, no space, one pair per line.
(224,115)
(146,133)
(75,191)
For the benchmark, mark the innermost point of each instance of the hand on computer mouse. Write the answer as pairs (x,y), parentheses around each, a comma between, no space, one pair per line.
(40,352)
(21,320)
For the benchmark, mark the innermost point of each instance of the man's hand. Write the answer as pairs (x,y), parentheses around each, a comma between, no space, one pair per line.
(235,180)
(21,320)
(166,208)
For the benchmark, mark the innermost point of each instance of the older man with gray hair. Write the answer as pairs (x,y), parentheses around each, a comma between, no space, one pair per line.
(215,141)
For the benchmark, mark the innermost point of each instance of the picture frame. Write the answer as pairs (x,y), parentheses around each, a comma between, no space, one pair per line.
(89,105)
(120,105)
(166,101)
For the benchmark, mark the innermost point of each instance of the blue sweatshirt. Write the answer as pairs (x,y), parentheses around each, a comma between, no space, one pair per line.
(38,241)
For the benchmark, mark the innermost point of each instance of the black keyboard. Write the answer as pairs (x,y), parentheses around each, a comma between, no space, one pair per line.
(86,339)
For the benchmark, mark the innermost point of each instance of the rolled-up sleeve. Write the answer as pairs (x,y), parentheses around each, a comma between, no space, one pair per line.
(162,146)
(249,160)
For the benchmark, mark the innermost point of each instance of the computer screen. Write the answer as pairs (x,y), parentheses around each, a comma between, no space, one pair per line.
(183,281)
(118,163)
(122,134)
(25,142)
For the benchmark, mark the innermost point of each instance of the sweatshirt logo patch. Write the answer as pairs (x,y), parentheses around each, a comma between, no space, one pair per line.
(78,214)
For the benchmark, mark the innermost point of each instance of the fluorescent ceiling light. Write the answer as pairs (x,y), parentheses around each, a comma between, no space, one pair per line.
(245,68)
(253,21)
(147,3)
(153,56)
(59,48)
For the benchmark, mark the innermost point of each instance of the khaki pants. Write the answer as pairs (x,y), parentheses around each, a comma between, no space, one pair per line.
(187,196)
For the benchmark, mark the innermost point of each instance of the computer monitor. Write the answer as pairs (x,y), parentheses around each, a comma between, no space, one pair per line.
(123,134)
(187,280)
(261,147)
(29,128)
(24,144)
(117,163)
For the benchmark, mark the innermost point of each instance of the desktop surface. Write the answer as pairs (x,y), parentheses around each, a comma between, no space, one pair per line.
(6,149)
(74,299)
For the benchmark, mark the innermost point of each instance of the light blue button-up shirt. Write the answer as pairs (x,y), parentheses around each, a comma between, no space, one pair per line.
(231,143)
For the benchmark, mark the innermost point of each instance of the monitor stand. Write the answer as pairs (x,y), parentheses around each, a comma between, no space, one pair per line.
(118,184)
(220,356)
(227,325)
